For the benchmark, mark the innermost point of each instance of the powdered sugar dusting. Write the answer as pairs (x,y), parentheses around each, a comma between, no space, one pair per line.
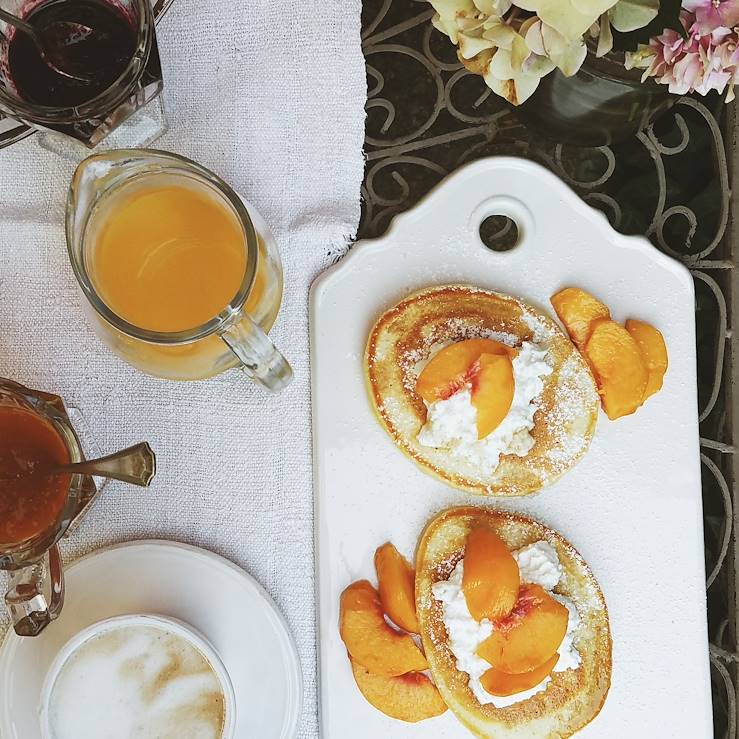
(571,438)
(540,330)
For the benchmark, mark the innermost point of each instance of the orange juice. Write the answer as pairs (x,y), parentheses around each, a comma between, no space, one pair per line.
(166,255)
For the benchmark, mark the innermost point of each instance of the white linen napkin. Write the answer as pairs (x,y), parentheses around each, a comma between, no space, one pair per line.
(271,97)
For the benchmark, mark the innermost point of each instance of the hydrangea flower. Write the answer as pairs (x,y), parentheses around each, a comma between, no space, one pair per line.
(512,44)
(707,59)
(545,41)
(571,18)
(512,48)
(713,14)
(448,13)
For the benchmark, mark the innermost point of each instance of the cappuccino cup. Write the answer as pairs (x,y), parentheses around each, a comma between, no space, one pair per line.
(143,676)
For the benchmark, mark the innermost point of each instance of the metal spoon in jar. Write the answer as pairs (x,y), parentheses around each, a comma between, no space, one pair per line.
(136,465)
(51,41)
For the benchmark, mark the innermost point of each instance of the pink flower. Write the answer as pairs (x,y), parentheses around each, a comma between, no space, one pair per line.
(706,59)
(711,14)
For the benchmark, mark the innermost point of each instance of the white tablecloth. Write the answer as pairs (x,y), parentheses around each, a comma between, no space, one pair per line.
(271,96)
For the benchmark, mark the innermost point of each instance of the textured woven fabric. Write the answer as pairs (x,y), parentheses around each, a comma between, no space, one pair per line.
(271,97)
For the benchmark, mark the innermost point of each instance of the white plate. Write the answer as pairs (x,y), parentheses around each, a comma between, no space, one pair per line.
(632,507)
(198,587)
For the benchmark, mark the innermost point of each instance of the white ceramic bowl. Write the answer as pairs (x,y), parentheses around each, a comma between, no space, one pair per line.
(164,623)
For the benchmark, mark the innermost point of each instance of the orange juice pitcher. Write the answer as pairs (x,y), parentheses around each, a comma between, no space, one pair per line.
(182,277)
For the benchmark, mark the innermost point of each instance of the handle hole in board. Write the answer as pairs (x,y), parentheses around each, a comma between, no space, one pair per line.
(499,233)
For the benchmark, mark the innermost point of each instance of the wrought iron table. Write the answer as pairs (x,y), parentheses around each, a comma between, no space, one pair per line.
(426,116)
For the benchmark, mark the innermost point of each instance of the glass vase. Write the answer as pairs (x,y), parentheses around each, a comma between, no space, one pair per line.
(604,103)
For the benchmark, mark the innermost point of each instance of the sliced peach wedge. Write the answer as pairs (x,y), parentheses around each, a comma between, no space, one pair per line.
(454,366)
(529,636)
(369,638)
(492,392)
(491,578)
(651,343)
(578,310)
(500,683)
(411,697)
(618,366)
(397,585)
(628,362)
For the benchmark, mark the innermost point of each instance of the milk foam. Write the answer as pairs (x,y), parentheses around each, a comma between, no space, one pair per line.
(137,682)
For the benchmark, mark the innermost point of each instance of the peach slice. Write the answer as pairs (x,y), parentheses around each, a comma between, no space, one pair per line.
(397,586)
(492,392)
(497,682)
(454,366)
(578,310)
(411,697)
(370,640)
(491,579)
(530,635)
(651,343)
(619,368)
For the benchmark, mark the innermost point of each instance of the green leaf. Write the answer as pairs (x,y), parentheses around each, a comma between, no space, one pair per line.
(629,15)
(668,17)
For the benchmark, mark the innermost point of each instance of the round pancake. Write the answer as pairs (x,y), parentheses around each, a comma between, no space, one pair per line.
(572,698)
(404,338)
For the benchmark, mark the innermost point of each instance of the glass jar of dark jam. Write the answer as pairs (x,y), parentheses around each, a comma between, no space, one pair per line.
(118,56)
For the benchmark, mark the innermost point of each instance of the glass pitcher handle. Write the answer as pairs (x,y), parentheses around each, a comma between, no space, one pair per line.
(260,359)
(36,594)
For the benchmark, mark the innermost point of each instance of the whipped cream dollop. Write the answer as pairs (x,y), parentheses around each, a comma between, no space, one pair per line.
(452,423)
(539,565)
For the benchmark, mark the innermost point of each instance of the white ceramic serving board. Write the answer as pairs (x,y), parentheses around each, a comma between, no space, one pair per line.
(632,507)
